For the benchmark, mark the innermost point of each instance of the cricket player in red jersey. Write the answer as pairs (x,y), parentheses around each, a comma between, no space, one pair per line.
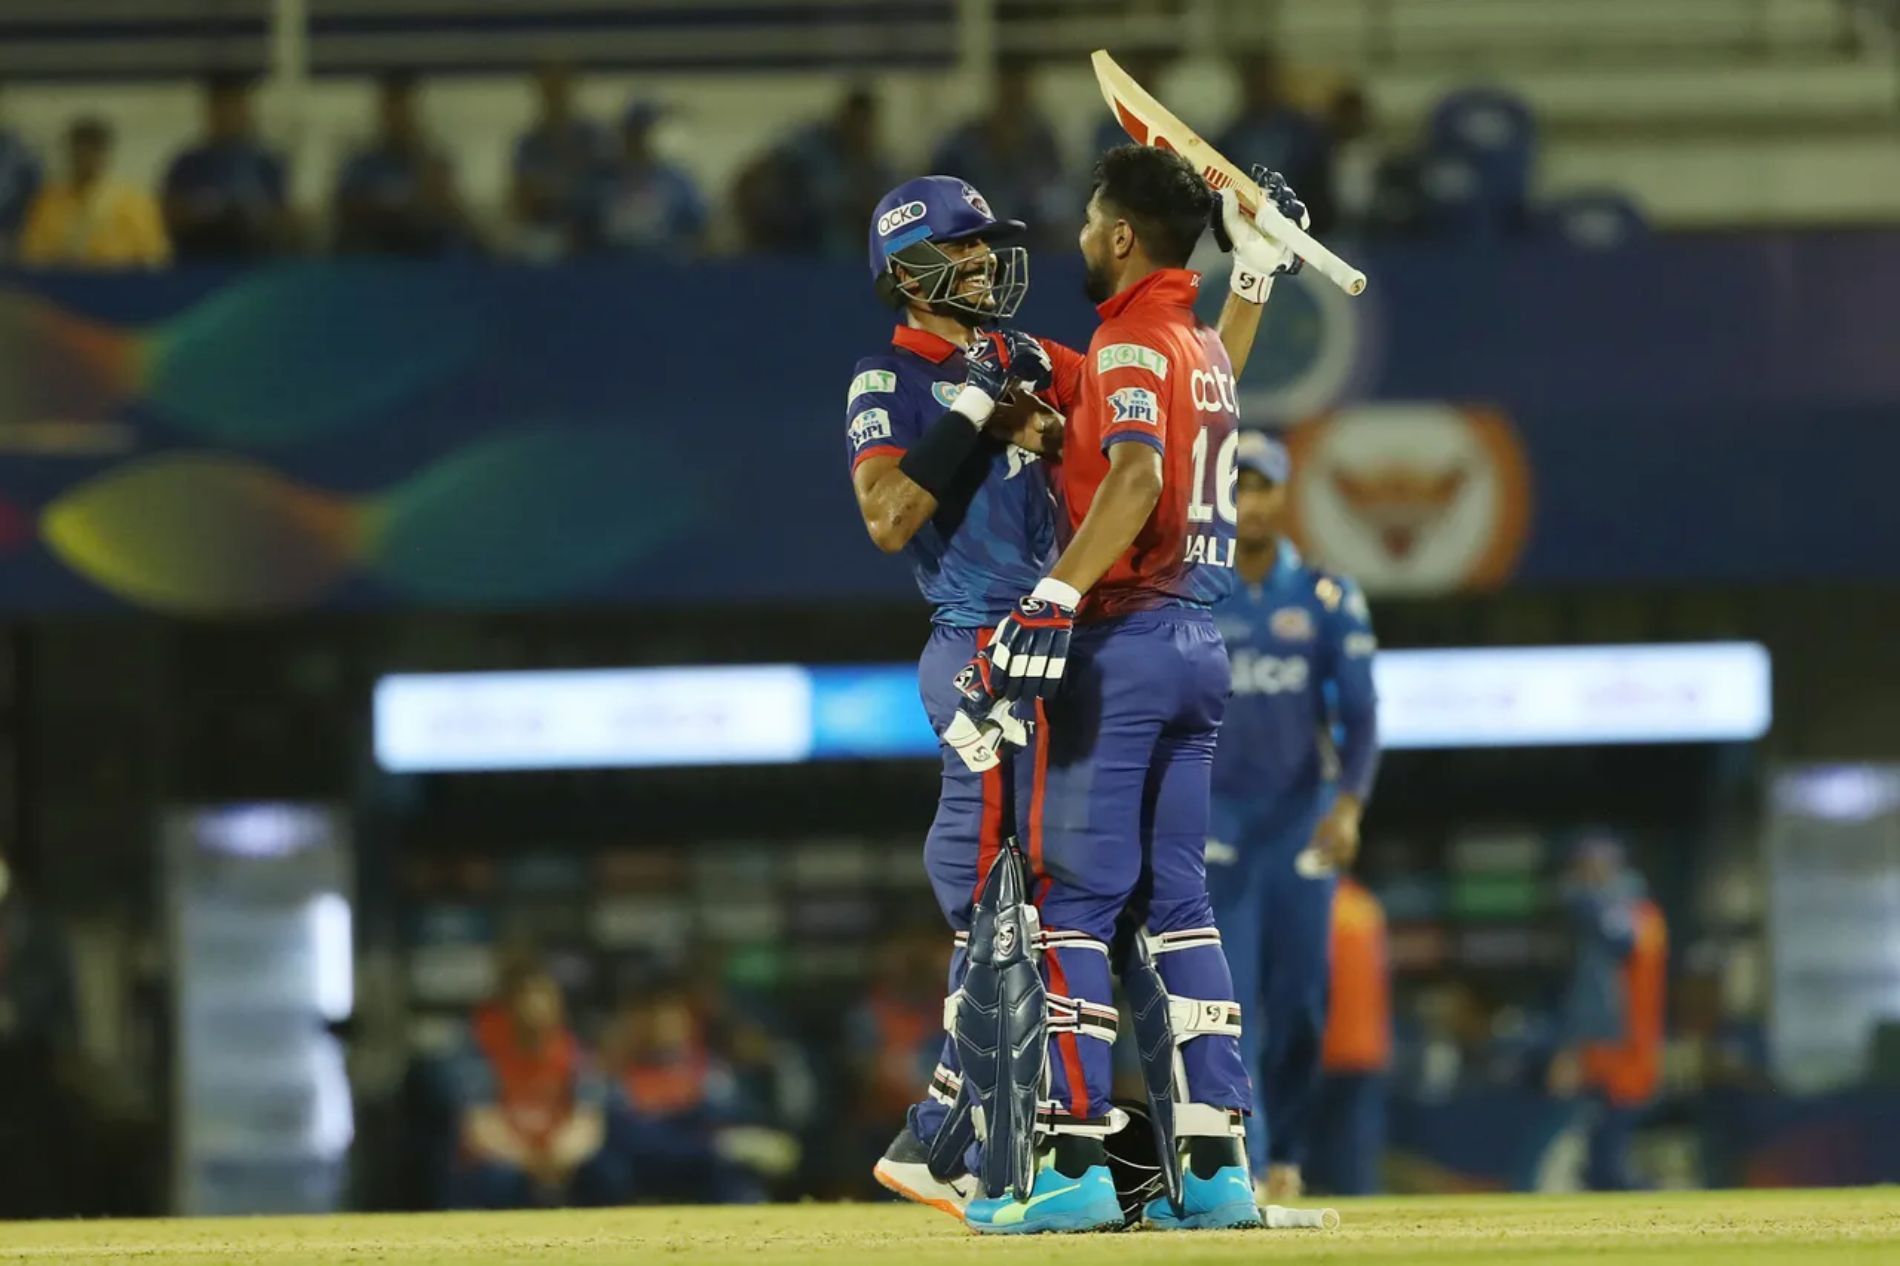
(1118,788)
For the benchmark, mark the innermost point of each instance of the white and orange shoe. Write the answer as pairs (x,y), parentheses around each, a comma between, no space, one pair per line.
(904,1170)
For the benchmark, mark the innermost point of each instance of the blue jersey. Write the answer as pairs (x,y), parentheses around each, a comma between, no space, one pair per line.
(1302,716)
(974,558)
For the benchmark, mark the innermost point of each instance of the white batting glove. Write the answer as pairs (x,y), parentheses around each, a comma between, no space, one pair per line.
(1259,259)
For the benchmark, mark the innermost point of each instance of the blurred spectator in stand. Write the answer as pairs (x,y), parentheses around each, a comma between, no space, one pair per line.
(674,1124)
(533,1123)
(398,196)
(40,1113)
(225,197)
(1375,191)
(1270,130)
(554,160)
(638,205)
(1356,1052)
(897,1036)
(1613,1005)
(19,180)
(1475,173)
(1357,161)
(1010,153)
(89,219)
(814,192)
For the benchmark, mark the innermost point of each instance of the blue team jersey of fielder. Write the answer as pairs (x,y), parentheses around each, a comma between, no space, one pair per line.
(1302,716)
(971,564)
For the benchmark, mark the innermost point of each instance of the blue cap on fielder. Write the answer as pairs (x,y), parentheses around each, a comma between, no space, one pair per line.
(934,208)
(1264,456)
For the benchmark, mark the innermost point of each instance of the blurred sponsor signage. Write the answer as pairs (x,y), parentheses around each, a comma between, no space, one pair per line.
(789,713)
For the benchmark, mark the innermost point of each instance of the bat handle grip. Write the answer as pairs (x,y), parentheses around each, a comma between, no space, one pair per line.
(1312,250)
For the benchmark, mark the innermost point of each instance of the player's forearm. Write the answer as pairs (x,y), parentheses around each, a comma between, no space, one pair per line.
(1359,756)
(1239,325)
(1122,504)
(894,508)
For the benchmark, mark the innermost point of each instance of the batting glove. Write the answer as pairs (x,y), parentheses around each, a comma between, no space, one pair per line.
(1259,259)
(994,362)
(1031,646)
(982,722)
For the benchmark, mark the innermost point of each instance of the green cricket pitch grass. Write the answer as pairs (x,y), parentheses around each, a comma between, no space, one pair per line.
(1788,1228)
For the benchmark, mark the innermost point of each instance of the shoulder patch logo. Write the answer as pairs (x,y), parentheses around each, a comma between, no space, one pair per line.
(1131,356)
(871,425)
(871,380)
(1134,404)
(946,392)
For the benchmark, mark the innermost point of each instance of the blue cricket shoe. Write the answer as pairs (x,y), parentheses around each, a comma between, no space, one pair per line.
(1056,1202)
(1221,1201)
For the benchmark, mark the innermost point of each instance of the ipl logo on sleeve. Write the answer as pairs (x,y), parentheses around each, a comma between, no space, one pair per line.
(1134,404)
(872,424)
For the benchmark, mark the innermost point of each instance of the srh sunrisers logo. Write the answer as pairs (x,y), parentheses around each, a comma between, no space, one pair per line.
(1412,497)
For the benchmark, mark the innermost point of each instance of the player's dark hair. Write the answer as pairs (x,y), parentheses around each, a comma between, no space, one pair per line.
(1160,194)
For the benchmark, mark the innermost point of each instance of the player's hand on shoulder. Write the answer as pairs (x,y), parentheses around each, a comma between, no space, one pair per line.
(1027,422)
(1031,648)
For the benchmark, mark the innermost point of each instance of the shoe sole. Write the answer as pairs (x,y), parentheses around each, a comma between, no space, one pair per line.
(897,1187)
(1226,1217)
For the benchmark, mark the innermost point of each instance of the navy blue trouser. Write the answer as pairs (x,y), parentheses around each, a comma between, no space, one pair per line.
(1110,804)
(1276,925)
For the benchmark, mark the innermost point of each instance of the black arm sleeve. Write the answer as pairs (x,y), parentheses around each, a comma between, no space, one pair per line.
(933,461)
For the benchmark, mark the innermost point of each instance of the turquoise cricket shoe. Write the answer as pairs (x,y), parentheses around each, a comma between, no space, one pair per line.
(1056,1203)
(1223,1201)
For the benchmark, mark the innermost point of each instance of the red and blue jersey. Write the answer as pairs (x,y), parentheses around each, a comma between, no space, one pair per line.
(1155,375)
(1303,714)
(993,537)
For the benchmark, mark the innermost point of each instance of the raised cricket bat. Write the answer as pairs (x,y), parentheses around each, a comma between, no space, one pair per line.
(1148,122)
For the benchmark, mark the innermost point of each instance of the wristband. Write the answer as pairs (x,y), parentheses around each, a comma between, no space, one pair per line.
(1049,589)
(933,461)
(1249,285)
(973,404)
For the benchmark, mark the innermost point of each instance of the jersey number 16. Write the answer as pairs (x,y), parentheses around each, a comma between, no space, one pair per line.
(1205,499)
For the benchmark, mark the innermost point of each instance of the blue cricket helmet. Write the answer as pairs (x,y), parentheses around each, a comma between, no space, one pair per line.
(906,228)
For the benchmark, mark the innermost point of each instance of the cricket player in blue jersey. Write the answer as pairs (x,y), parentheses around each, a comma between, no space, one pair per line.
(1294,767)
(939,479)
(956,483)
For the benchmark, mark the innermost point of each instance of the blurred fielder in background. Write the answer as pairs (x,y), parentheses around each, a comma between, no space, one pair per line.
(1295,765)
